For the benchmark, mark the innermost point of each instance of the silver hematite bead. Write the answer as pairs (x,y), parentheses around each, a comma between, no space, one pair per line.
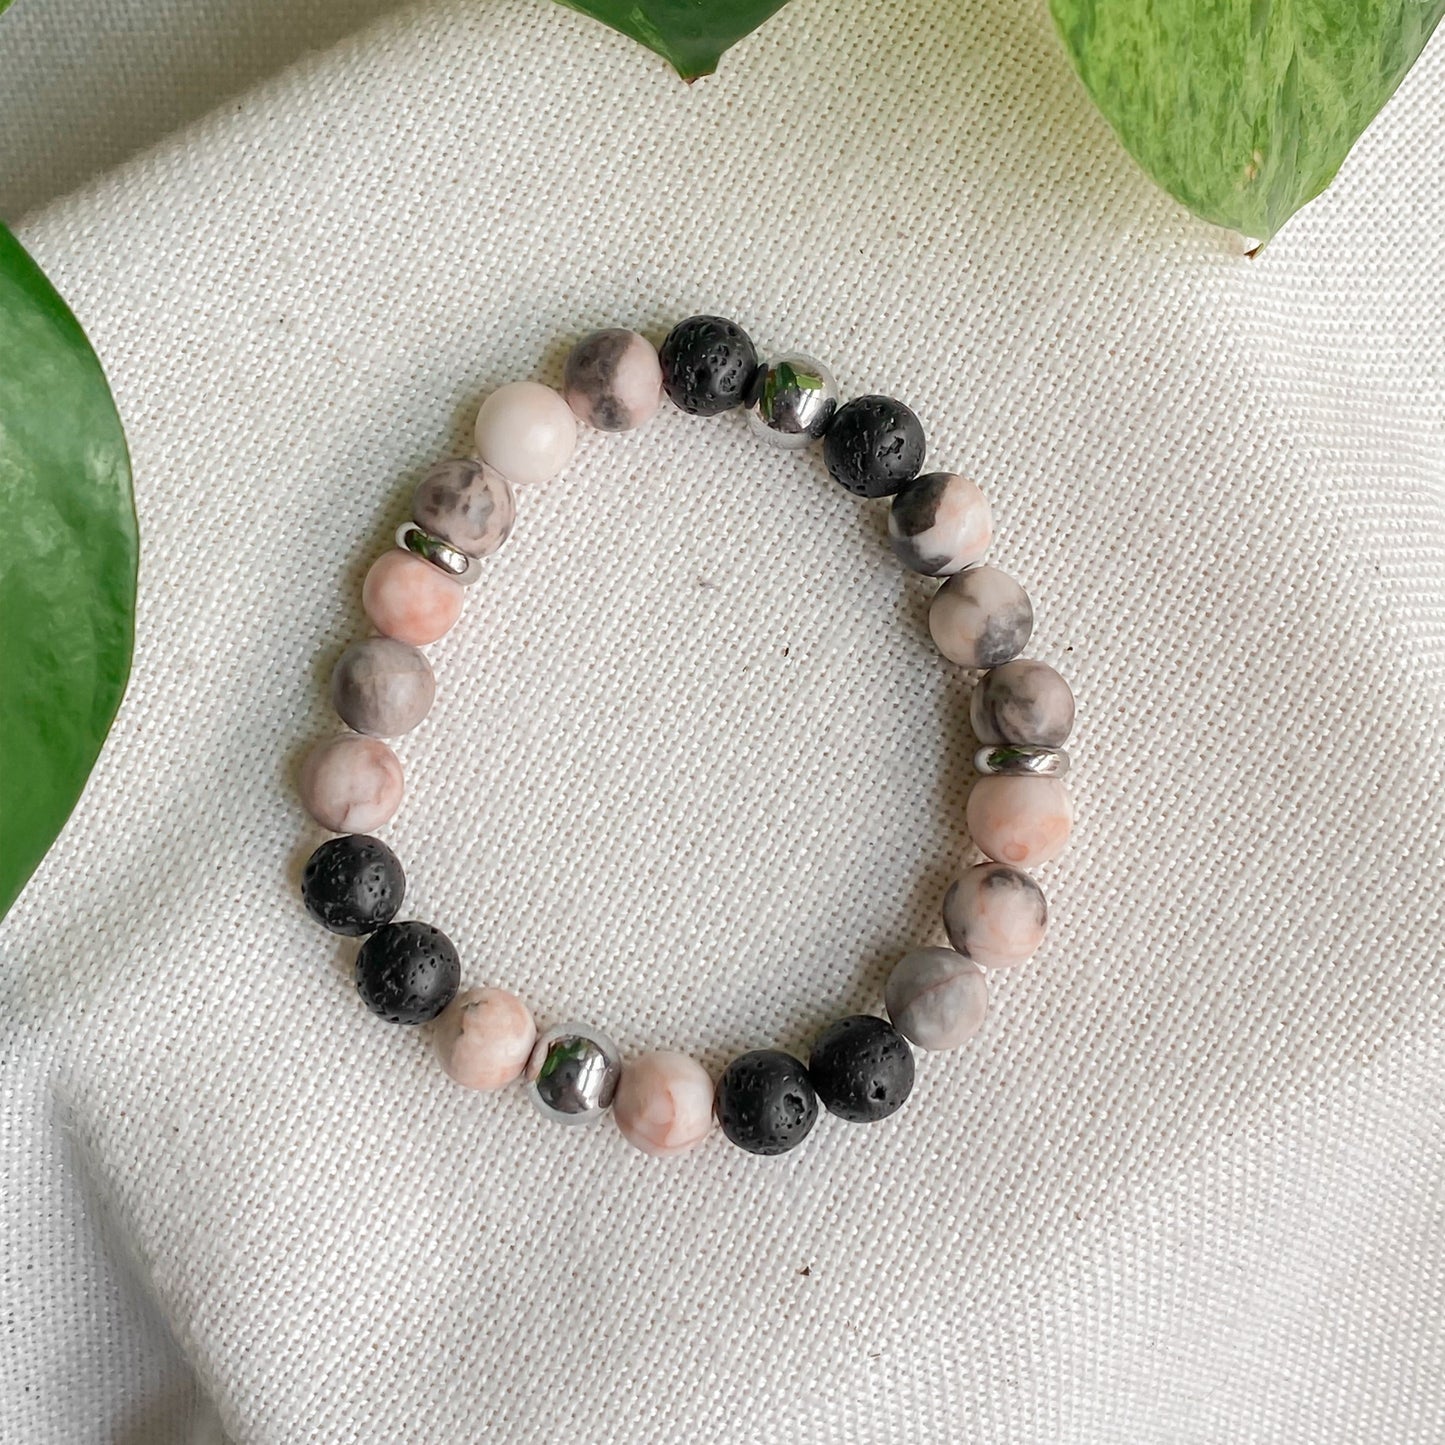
(573,1073)
(794,400)
(1021,760)
(456,564)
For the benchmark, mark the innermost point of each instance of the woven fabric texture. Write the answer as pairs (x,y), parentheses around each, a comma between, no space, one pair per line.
(696,773)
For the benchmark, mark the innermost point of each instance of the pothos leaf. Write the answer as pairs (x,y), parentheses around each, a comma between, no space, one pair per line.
(690,35)
(67,564)
(1243,109)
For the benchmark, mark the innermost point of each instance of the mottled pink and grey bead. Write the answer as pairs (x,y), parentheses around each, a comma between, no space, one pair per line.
(382,687)
(526,431)
(936,998)
(980,618)
(939,524)
(663,1104)
(996,914)
(351,784)
(484,1038)
(1022,821)
(410,599)
(613,380)
(466,503)
(1022,702)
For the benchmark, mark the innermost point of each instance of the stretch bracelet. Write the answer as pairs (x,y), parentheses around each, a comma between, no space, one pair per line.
(861,1068)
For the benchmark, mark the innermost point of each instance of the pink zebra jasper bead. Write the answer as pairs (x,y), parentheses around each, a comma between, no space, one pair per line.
(936,998)
(980,617)
(1022,703)
(995,914)
(940,523)
(351,784)
(1018,820)
(613,380)
(382,687)
(410,599)
(485,1037)
(664,1103)
(526,431)
(468,504)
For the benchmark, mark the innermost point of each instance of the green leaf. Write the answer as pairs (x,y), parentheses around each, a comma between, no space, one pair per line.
(67,564)
(1243,109)
(689,34)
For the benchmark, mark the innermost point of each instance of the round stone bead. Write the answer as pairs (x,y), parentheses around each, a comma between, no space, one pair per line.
(862,1069)
(351,784)
(485,1037)
(708,364)
(468,504)
(613,380)
(407,973)
(1022,821)
(526,431)
(765,1102)
(874,445)
(353,885)
(794,399)
(980,618)
(936,998)
(939,524)
(573,1073)
(1023,702)
(663,1105)
(409,599)
(996,914)
(382,687)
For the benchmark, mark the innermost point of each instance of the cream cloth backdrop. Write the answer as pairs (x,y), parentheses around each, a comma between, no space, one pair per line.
(696,773)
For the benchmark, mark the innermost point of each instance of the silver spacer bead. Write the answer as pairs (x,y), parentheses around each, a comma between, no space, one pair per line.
(454,562)
(796,399)
(573,1073)
(1022,760)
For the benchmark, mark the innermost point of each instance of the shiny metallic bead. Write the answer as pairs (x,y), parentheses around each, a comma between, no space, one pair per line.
(573,1073)
(455,563)
(794,400)
(1022,761)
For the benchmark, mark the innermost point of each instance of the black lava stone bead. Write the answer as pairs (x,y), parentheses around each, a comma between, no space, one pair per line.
(765,1103)
(708,365)
(874,445)
(353,885)
(407,972)
(862,1069)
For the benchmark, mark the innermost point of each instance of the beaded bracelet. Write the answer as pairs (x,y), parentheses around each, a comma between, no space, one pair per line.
(1018,810)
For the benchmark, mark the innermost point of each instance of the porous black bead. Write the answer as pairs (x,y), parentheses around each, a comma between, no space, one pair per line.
(765,1103)
(407,972)
(708,365)
(874,445)
(353,885)
(862,1069)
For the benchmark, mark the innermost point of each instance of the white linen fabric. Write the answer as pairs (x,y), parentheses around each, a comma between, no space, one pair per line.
(696,774)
